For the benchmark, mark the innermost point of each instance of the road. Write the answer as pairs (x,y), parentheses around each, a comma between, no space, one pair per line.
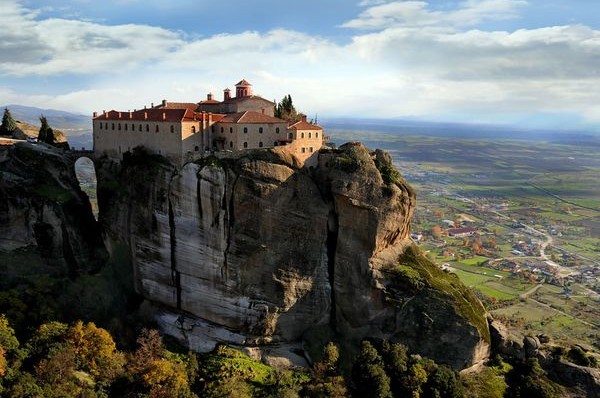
(532,231)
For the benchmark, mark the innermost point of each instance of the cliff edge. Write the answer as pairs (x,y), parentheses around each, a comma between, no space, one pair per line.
(252,250)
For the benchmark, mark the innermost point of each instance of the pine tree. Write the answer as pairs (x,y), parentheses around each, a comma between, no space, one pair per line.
(8,123)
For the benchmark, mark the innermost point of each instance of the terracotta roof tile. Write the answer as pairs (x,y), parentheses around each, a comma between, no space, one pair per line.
(243,83)
(152,115)
(178,105)
(235,99)
(250,117)
(304,125)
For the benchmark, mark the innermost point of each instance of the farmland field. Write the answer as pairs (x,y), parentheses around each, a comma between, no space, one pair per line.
(536,208)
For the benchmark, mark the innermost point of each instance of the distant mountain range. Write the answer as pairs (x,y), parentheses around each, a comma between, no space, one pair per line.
(77,128)
(459,130)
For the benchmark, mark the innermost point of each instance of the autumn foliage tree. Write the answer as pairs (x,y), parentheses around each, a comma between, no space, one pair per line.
(436,231)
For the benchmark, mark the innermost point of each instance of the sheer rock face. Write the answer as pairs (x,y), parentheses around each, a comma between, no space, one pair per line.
(254,250)
(46,222)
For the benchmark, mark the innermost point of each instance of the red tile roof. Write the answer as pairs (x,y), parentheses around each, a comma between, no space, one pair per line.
(304,125)
(154,115)
(235,99)
(243,83)
(178,105)
(205,102)
(250,117)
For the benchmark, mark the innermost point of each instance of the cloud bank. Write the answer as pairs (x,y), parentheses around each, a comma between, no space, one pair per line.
(402,58)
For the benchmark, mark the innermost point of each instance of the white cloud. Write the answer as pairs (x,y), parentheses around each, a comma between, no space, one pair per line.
(417,13)
(417,62)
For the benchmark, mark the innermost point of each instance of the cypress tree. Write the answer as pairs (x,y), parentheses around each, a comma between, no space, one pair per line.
(46,134)
(8,123)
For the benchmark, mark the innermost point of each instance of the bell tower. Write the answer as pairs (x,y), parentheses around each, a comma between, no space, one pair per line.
(243,89)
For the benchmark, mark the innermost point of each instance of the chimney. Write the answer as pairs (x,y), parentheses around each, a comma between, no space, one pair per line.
(164,115)
(226,94)
(95,114)
(130,115)
(146,115)
(203,120)
(164,102)
(263,110)
(144,106)
(152,105)
(119,115)
(303,116)
(209,118)
(209,96)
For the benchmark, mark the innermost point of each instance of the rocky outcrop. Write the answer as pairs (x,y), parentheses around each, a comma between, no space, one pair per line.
(250,249)
(46,221)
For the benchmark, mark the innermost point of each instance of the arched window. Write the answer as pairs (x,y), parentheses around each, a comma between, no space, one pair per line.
(302,136)
(260,130)
(113,126)
(100,126)
(303,150)
(172,129)
(260,144)
(309,135)
(231,129)
(277,130)
(132,127)
(125,126)
(291,136)
(147,128)
(222,129)
(156,128)
(275,143)
(212,128)
(106,126)
(140,128)
(119,126)
(245,129)
(311,149)
(245,145)
(196,148)
(194,131)
(230,144)
(316,135)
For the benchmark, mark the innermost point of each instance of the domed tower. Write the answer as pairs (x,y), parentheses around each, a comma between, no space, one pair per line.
(243,89)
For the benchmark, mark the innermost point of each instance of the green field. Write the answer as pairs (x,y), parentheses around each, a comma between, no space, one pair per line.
(553,187)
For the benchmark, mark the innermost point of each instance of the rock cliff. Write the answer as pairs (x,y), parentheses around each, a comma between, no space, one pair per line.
(252,250)
(46,223)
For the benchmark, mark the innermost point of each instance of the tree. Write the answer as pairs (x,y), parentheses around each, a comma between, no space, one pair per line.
(285,109)
(436,231)
(443,382)
(326,380)
(46,133)
(95,351)
(2,362)
(368,375)
(8,123)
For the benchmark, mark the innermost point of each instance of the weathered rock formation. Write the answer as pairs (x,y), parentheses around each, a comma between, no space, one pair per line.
(46,224)
(253,250)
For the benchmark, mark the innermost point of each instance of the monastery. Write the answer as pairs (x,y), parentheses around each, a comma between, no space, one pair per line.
(183,131)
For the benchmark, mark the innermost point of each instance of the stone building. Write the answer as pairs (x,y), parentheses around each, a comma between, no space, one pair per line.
(182,131)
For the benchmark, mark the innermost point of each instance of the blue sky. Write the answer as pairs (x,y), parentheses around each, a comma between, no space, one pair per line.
(530,63)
